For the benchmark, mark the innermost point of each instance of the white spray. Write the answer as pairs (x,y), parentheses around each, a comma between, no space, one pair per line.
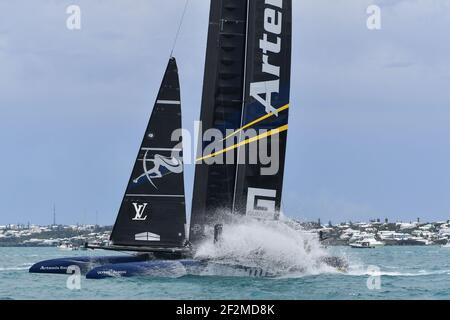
(280,247)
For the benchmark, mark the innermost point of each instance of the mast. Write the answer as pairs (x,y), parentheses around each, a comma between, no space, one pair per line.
(152,213)
(221,109)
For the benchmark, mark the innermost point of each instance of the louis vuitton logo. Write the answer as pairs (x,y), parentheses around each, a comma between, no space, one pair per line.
(140,209)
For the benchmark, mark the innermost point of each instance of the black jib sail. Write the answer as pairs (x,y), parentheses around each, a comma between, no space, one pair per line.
(246,97)
(152,213)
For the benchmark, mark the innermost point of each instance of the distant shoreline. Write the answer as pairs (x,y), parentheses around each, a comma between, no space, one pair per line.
(371,234)
(33,236)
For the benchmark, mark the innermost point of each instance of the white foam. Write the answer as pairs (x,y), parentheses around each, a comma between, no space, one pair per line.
(362,270)
(14,269)
(278,247)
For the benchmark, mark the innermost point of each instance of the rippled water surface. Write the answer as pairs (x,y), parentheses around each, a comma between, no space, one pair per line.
(406,273)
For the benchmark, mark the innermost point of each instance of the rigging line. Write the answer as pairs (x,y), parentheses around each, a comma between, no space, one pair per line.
(179,28)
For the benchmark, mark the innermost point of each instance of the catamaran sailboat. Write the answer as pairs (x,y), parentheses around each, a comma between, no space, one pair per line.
(246,86)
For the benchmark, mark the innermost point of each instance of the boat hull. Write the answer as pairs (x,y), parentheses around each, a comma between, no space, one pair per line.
(174,268)
(142,265)
(361,247)
(184,267)
(60,266)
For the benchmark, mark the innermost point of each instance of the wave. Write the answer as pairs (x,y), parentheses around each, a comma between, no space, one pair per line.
(281,248)
(14,269)
(361,271)
(21,267)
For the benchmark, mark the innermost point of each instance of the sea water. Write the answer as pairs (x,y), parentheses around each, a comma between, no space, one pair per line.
(405,273)
(294,256)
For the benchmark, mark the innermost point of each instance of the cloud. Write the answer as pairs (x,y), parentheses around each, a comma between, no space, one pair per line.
(399,64)
(69,100)
(3,41)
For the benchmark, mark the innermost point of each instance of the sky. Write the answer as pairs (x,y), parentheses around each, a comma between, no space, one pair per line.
(369,120)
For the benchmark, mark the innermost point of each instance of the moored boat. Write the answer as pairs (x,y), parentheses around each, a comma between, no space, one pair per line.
(447,245)
(362,244)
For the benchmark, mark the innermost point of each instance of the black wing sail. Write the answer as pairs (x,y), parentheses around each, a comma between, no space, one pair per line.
(246,86)
(152,213)
(259,186)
